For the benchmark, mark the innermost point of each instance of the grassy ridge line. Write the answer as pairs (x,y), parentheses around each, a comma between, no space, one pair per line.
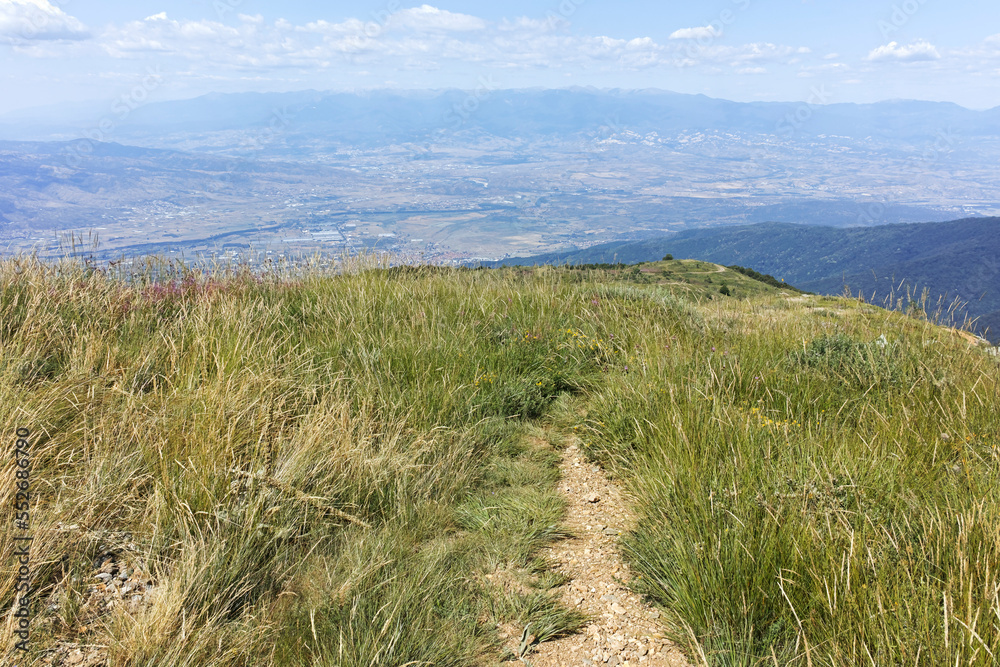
(693,279)
(818,477)
(221,428)
(764,278)
(819,482)
(955,260)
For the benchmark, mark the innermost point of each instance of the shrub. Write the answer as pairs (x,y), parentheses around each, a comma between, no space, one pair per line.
(856,363)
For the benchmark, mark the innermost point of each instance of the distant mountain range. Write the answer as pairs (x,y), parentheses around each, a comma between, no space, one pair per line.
(385,117)
(863,163)
(958,259)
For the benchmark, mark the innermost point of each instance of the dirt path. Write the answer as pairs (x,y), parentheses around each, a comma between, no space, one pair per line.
(623,630)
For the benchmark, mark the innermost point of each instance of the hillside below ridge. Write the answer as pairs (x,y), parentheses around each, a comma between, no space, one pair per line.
(590,465)
(957,260)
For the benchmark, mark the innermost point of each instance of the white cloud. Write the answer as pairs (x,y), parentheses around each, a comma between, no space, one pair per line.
(431,19)
(826,69)
(763,51)
(525,24)
(640,43)
(348,27)
(752,70)
(706,32)
(37,20)
(423,38)
(198,40)
(917,51)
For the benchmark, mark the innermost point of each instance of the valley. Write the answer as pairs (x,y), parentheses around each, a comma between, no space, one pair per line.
(340,174)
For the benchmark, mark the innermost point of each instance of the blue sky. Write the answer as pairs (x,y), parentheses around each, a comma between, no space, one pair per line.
(58,51)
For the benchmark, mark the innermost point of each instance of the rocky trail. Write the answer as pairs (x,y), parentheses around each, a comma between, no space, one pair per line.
(623,630)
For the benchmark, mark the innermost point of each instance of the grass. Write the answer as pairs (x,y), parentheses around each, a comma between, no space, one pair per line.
(692,279)
(345,469)
(815,492)
(311,465)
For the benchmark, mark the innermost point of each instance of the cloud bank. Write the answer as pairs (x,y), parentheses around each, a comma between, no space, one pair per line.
(27,20)
(918,51)
(417,38)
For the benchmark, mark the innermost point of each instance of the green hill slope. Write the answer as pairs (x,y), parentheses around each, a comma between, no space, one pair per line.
(307,468)
(692,279)
(959,259)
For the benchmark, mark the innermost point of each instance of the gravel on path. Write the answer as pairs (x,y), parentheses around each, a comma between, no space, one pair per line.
(624,631)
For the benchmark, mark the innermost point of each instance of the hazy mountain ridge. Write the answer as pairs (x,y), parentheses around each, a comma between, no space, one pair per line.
(382,117)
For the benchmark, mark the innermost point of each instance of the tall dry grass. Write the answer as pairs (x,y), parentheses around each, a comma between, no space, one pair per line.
(819,483)
(319,467)
(315,468)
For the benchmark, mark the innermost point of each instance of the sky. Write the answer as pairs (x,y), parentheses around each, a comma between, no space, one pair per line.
(57,52)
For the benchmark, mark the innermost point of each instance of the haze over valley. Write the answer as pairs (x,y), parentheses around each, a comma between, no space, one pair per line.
(458,176)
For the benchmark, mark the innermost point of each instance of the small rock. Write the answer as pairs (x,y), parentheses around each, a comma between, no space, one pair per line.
(587,662)
(617,608)
(593,498)
(945,437)
(74,658)
(614,661)
(123,575)
(104,577)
